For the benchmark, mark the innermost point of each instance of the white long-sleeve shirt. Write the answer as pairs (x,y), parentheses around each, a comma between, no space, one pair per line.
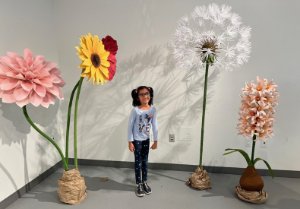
(140,123)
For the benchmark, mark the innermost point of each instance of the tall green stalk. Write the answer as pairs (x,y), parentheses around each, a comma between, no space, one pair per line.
(203,111)
(68,122)
(75,122)
(253,148)
(46,137)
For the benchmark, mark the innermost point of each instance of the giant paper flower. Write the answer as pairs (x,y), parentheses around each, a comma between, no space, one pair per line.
(211,30)
(257,109)
(99,65)
(111,45)
(210,36)
(29,79)
(256,118)
(97,62)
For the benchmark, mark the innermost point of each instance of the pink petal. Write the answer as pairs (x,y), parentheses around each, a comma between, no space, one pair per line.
(48,99)
(35,99)
(21,63)
(49,66)
(8,62)
(4,68)
(56,92)
(46,82)
(38,60)
(40,90)
(29,75)
(57,80)
(18,76)
(28,57)
(23,102)
(27,85)
(8,97)
(9,83)
(42,72)
(12,55)
(20,94)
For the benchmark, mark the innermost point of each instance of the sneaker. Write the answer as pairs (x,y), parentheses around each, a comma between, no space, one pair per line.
(146,187)
(139,190)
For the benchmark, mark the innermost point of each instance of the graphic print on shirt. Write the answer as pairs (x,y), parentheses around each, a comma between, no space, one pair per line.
(145,125)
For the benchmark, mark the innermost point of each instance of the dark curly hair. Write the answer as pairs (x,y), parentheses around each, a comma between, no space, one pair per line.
(135,95)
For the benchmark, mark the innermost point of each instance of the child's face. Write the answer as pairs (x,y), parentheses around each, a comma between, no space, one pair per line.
(144,96)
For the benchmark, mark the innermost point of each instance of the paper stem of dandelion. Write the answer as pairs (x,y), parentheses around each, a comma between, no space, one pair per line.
(203,111)
(46,137)
(68,122)
(75,121)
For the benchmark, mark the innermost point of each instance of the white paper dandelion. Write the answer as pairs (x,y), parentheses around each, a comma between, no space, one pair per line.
(210,36)
(231,46)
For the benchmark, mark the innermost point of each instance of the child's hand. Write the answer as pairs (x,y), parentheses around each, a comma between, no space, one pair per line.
(154,145)
(131,146)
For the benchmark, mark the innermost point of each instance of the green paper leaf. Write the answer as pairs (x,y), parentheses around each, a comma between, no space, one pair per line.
(270,171)
(242,152)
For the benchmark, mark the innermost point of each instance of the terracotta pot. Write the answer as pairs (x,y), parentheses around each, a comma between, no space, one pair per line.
(251,180)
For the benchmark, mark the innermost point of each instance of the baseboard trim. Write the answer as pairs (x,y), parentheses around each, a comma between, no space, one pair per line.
(13,197)
(184,167)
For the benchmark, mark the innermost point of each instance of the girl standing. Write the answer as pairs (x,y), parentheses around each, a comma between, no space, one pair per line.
(141,120)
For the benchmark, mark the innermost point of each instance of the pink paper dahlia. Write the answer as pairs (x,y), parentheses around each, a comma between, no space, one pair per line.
(29,79)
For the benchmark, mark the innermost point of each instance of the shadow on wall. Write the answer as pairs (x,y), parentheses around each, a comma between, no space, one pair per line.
(104,110)
(11,179)
(15,129)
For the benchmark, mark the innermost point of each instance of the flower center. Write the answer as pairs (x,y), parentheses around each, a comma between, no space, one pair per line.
(209,45)
(207,49)
(95,60)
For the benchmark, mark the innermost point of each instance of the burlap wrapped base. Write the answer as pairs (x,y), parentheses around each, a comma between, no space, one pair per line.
(251,196)
(199,179)
(71,187)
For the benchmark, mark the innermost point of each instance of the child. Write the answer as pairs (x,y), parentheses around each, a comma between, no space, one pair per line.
(142,118)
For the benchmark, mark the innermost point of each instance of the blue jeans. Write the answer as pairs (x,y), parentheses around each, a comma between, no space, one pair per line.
(141,151)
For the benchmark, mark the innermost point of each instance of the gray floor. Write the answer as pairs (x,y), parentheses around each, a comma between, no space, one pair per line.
(169,191)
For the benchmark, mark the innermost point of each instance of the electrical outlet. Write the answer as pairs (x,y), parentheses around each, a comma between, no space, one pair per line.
(171,137)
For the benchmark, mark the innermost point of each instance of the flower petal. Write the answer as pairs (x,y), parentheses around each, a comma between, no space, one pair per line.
(8,84)
(40,90)
(35,99)
(20,94)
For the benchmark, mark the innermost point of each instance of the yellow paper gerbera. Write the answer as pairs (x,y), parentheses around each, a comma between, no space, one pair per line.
(94,59)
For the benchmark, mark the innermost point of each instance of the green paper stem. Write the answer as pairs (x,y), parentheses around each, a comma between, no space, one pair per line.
(68,121)
(46,137)
(203,112)
(75,122)
(253,148)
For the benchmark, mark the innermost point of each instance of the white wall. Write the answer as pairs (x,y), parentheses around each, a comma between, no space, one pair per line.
(23,153)
(143,30)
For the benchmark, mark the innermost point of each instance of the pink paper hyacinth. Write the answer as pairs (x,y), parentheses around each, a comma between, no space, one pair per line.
(29,79)
(257,109)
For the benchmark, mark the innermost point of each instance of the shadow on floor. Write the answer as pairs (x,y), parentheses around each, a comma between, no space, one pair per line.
(92,183)
(103,183)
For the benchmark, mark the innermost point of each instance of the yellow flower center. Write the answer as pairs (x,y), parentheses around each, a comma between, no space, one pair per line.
(95,60)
